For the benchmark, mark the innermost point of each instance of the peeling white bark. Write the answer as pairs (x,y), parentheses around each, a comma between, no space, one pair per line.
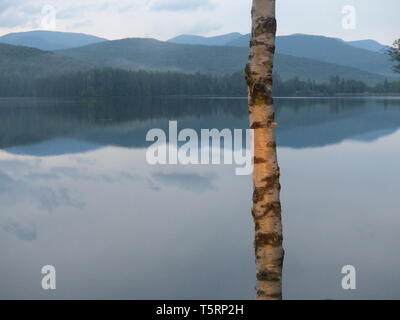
(266,201)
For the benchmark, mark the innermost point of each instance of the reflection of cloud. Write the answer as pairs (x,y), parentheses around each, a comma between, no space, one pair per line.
(67,171)
(26,181)
(15,164)
(12,190)
(9,187)
(189,181)
(152,185)
(77,174)
(82,161)
(35,176)
(48,199)
(179,5)
(27,232)
(65,194)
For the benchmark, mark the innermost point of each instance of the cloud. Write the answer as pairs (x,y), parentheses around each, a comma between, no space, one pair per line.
(81,24)
(125,18)
(180,5)
(80,10)
(203,27)
(7,4)
(13,17)
(19,13)
(152,18)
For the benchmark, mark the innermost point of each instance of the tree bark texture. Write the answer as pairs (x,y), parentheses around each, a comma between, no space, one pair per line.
(266,209)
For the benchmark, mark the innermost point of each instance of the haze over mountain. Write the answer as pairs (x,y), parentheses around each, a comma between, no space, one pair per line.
(151,54)
(371,45)
(49,40)
(31,62)
(365,55)
(239,40)
(334,51)
(306,57)
(221,40)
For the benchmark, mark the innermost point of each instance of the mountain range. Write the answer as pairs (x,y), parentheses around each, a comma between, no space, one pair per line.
(371,45)
(236,39)
(303,56)
(365,55)
(49,40)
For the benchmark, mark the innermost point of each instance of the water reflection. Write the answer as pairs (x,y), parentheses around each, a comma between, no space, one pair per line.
(185,231)
(124,123)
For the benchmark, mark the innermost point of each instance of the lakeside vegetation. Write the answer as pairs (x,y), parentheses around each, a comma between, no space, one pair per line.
(111,82)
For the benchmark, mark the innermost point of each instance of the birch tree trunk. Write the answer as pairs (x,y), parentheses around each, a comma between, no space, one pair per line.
(266,209)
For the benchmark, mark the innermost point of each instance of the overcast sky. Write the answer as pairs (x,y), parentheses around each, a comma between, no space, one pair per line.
(163,19)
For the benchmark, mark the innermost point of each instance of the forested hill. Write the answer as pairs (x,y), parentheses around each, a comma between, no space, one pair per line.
(153,55)
(150,54)
(365,55)
(31,63)
(299,55)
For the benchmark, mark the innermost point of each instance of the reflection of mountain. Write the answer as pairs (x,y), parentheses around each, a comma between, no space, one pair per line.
(54,147)
(49,127)
(330,121)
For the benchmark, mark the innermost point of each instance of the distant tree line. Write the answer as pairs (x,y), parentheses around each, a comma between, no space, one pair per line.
(119,83)
(335,86)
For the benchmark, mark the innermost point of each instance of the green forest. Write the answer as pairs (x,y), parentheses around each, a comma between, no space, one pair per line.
(109,82)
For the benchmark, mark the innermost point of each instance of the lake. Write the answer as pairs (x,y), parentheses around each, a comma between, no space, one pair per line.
(77,192)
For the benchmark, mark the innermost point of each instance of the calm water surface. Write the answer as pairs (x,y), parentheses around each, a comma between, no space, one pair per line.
(76,192)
